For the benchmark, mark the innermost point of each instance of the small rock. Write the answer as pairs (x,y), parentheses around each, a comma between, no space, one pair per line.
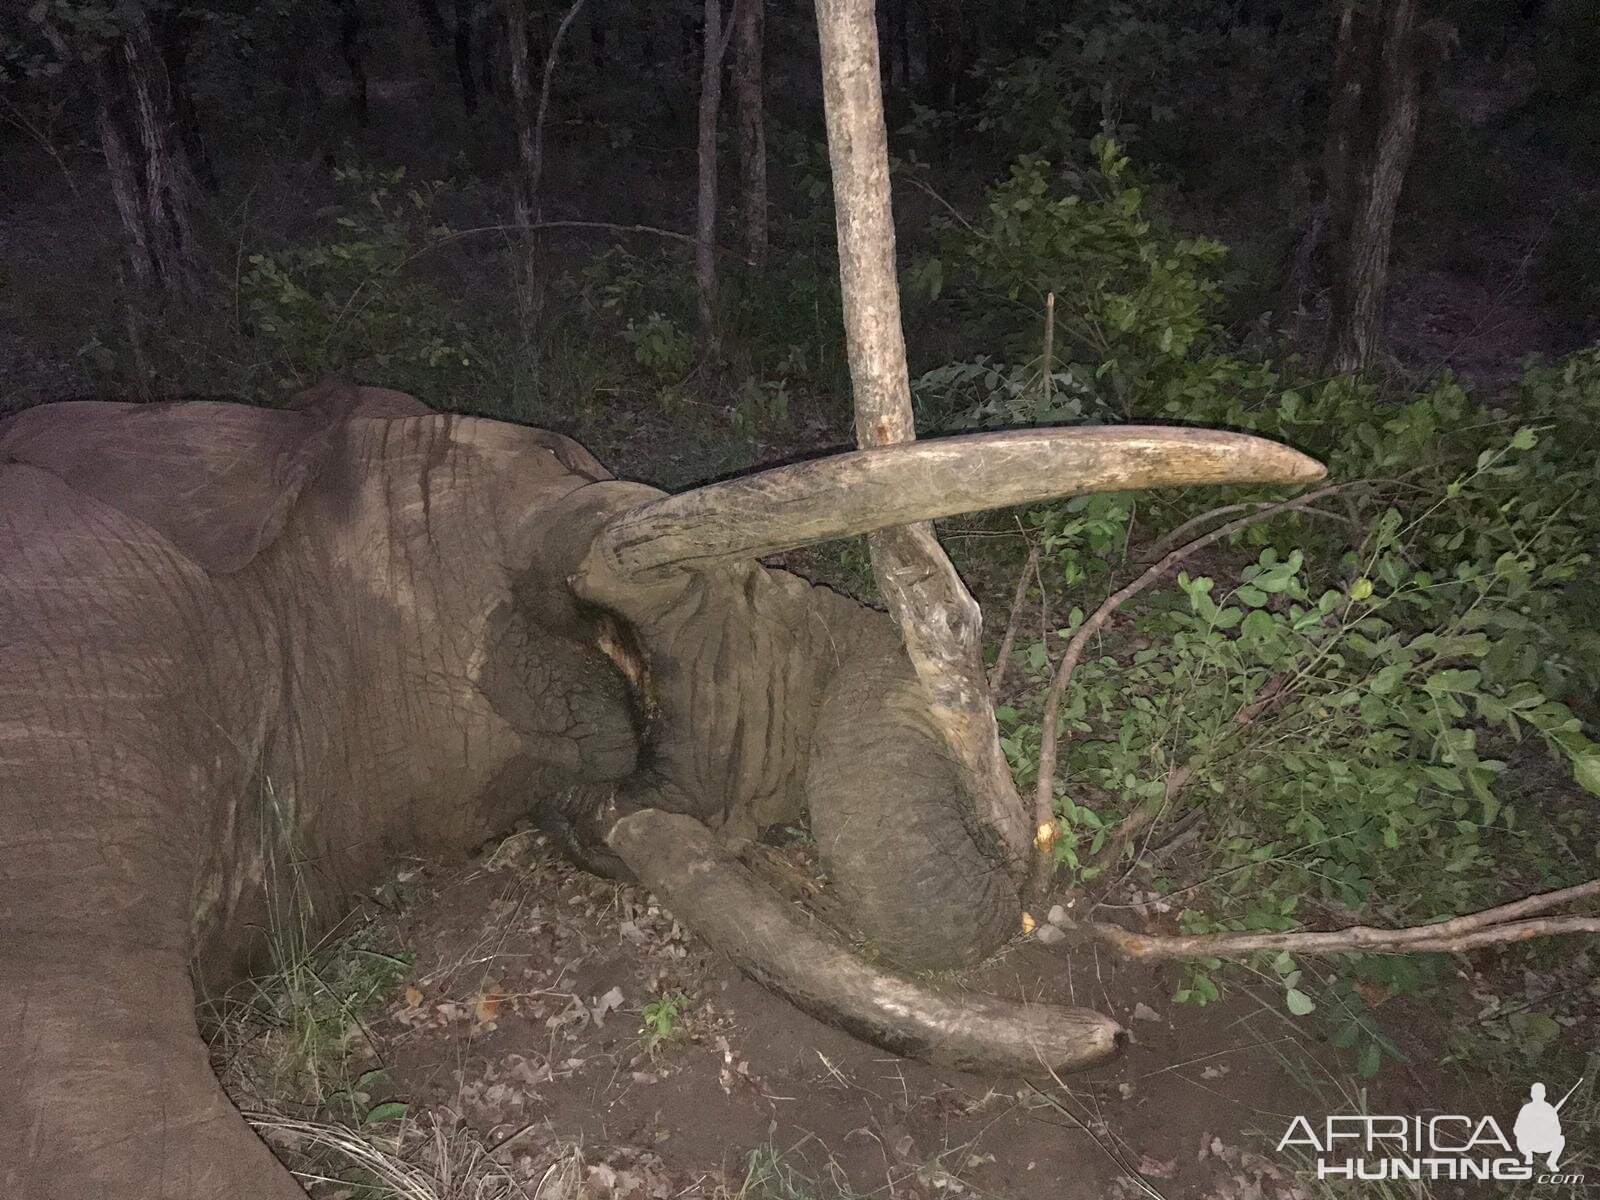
(1049,935)
(1143,1012)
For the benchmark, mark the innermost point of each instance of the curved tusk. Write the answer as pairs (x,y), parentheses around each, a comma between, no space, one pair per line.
(717,896)
(864,490)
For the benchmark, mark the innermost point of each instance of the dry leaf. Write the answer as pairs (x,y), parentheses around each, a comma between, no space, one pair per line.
(1372,992)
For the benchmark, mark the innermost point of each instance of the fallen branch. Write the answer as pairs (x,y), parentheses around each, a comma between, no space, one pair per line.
(1513,922)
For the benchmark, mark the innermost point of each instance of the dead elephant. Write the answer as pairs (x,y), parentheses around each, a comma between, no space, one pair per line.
(239,643)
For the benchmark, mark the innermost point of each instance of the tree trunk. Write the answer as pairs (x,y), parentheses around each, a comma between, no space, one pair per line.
(485,24)
(1372,129)
(432,23)
(530,132)
(894,67)
(174,29)
(462,37)
(939,621)
(938,52)
(748,95)
(150,176)
(352,51)
(525,188)
(597,39)
(712,45)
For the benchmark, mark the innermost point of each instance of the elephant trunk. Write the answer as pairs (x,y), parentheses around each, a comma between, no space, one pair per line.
(902,841)
(705,885)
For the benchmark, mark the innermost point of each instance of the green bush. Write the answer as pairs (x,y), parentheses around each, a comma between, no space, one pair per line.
(1355,702)
(355,305)
(1133,300)
(1345,695)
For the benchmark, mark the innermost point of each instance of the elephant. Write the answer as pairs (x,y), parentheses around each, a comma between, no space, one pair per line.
(254,653)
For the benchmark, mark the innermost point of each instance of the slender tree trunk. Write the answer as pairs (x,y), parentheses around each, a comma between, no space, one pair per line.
(486,24)
(175,27)
(526,187)
(1302,267)
(597,38)
(530,133)
(432,22)
(939,621)
(713,44)
(1372,129)
(351,36)
(462,39)
(939,51)
(150,175)
(751,103)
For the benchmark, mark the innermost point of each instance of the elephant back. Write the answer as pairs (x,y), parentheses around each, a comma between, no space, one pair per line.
(216,480)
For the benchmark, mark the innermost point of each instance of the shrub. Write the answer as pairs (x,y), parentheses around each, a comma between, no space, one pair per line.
(1132,300)
(354,305)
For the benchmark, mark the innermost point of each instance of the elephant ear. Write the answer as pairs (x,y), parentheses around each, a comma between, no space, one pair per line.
(217,480)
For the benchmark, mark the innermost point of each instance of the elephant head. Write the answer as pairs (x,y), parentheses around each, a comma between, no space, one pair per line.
(248,653)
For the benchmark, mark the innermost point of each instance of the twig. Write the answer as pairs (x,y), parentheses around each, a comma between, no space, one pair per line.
(1175,536)
(1271,694)
(536,165)
(922,185)
(13,115)
(610,226)
(1044,796)
(1049,345)
(1513,922)
(1003,661)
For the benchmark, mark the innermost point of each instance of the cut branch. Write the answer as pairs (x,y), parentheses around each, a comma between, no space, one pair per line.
(940,623)
(1513,922)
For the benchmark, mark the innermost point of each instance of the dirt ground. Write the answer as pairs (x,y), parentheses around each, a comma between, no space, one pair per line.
(521,1025)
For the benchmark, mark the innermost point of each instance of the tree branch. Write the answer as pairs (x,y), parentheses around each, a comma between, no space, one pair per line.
(1003,659)
(1513,922)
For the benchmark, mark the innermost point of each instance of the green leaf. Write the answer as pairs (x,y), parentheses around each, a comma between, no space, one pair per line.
(1257,625)
(1586,770)
(1299,1003)
(391,1110)
(1368,1061)
(1386,680)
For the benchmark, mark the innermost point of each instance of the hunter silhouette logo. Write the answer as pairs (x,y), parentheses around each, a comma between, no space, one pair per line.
(1538,1127)
(1442,1146)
